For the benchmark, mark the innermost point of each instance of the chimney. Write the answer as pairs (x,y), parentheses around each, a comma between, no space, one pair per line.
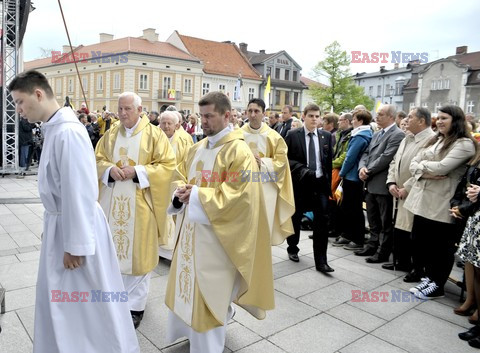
(150,35)
(395,66)
(262,51)
(382,68)
(462,50)
(243,47)
(105,37)
(66,49)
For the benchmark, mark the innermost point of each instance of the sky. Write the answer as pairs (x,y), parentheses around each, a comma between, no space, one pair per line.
(302,28)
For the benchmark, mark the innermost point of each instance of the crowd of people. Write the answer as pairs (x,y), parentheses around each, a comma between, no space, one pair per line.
(213,191)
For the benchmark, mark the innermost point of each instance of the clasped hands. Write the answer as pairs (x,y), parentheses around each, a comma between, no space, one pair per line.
(399,193)
(472,196)
(183,193)
(123,173)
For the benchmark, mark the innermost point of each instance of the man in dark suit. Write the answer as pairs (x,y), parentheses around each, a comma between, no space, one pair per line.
(373,170)
(310,158)
(287,120)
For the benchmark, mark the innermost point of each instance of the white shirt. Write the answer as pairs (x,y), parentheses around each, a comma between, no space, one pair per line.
(318,171)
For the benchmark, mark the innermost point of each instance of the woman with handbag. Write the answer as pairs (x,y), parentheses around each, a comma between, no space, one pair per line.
(352,200)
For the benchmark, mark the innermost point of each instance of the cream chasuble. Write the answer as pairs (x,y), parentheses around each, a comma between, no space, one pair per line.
(137,216)
(209,257)
(276,179)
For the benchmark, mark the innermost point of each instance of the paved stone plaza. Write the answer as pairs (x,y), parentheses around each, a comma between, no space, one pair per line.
(314,312)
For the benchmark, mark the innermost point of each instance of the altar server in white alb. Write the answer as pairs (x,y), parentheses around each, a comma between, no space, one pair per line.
(77,258)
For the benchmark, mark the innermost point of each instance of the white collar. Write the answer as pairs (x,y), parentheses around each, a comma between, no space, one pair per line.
(388,127)
(132,129)
(315,132)
(212,140)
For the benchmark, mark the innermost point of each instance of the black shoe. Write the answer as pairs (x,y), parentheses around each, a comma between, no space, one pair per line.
(474,332)
(366,252)
(376,259)
(391,267)
(324,268)
(293,257)
(137,317)
(413,276)
(475,342)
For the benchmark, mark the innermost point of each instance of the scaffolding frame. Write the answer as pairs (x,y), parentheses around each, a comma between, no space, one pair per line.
(10,63)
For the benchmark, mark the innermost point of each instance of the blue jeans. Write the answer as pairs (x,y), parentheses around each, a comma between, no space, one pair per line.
(24,155)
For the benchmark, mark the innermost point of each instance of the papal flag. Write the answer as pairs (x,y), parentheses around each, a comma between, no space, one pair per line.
(379,103)
(266,94)
(238,86)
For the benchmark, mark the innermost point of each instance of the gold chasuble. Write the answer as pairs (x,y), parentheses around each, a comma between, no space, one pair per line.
(276,179)
(184,135)
(137,217)
(233,251)
(180,148)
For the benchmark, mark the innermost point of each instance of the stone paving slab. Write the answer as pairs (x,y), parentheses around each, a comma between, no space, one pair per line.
(314,312)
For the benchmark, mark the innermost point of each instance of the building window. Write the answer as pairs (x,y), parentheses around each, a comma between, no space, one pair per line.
(187,112)
(287,75)
(116,81)
(70,85)
(387,90)
(221,88)
(379,90)
(425,105)
(277,97)
(85,83)
(434,85)
(295,99)
(412,105)
(399,88)
(187,85)
(295,76)
(287,98)
(446,84)
(277,73)
(470,106)
(100,83)
(251,93)
(438,105)
(58,86)
(167,83)
(205,88)
(143,82)
(269,70)
(370,91)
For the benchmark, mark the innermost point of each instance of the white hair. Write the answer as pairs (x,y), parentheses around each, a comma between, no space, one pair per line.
(170,114)
(137,101)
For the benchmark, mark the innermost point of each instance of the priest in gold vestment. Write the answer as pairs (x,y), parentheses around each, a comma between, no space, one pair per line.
(135,164)
(270,151)
(223,251)
(168,122)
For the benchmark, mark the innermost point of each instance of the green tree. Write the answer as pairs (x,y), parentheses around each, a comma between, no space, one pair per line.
(342,94)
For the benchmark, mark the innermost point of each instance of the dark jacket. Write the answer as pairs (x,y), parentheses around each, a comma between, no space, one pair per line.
(25,135)
(304,179)
(467,208)
(284,128)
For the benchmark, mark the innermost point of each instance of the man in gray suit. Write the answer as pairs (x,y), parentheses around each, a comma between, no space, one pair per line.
(373,170)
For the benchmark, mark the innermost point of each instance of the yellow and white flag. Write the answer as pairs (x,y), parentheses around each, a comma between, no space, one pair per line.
(266,94)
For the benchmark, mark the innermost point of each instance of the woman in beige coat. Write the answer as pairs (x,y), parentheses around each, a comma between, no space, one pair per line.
(437,171)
